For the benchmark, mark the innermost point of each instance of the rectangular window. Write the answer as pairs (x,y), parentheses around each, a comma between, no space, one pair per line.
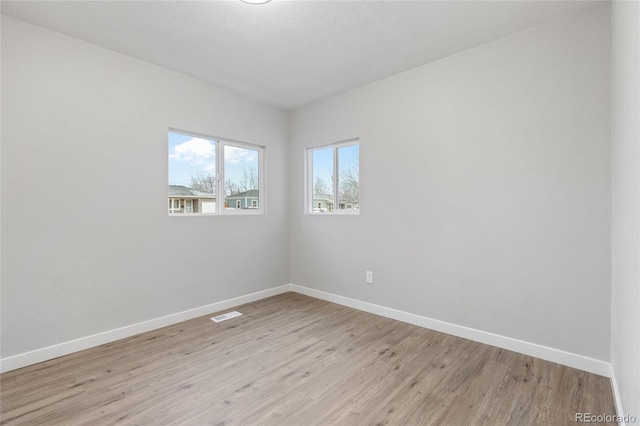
(214,176)
(333,178)
(174,205)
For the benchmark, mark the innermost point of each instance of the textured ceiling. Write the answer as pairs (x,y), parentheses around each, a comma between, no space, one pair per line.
(288,53)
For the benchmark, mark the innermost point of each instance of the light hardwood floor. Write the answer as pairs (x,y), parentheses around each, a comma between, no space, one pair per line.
(295,360)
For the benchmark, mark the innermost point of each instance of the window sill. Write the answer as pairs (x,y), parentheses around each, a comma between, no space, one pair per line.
(226,213)
(335,213)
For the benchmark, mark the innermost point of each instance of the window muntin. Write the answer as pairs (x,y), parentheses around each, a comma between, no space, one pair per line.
(217,176)
(333,178)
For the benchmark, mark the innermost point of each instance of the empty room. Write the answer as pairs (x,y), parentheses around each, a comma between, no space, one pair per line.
(320,212)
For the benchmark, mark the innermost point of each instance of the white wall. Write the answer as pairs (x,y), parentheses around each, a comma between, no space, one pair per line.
(87,245)
(485,197)
(625,231)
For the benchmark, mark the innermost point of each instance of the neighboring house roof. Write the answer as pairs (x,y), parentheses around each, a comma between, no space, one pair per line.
(329,198)
(326,197)
(252,193)
(183,191)
(348,200)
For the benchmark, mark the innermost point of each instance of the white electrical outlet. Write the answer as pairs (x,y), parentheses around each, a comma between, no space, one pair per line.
(369,277)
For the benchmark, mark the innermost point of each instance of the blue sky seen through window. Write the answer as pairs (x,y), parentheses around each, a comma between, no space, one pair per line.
(191,156)
(322,163)
(335,178)
(323,171)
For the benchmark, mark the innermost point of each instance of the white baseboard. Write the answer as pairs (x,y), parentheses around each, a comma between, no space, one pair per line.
(55,351)
(554,355)
(616,395)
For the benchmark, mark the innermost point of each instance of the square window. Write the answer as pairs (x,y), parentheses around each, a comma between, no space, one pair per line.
(214,176)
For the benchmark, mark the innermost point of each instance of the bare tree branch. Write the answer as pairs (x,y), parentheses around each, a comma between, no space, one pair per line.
(349,181)
(204,183)
(230,188)
(250,179)
(320,186)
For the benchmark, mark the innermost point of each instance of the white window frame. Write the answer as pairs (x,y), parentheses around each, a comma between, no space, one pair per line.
(220,143)
(254,204)
(309,207)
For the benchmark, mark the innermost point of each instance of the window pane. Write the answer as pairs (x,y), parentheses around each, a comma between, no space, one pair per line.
(349,177)
(192,171)
(242,177)
(322,180)
(333,179)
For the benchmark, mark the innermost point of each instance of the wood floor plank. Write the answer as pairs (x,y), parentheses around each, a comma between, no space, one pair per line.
(295,360)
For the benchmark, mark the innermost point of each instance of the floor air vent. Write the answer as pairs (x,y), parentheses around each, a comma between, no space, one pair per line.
(226,316)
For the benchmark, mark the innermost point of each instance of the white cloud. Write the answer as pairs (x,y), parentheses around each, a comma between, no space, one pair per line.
(196,150)
(236,155)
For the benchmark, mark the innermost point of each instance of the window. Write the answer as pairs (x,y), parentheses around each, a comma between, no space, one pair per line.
(333,178)
(214,176)
(174,205)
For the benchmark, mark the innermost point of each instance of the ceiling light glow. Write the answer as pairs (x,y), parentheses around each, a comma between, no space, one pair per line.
(255,1)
